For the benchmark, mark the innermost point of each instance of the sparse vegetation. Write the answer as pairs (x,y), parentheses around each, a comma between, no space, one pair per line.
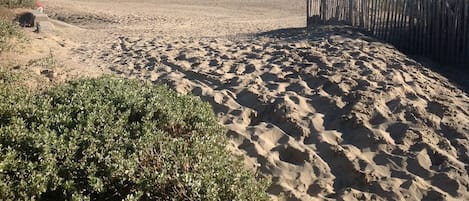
(114,139)
(17,3)
(8,31)
(48,61)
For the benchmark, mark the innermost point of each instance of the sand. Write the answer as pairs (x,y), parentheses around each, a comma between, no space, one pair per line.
(328,113)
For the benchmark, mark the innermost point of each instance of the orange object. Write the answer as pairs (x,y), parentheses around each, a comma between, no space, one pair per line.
(39,4)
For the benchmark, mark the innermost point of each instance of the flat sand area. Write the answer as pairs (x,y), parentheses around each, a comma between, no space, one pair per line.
(329,113)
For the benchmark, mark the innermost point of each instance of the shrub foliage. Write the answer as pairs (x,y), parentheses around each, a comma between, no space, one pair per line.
(114,139)
(8,30)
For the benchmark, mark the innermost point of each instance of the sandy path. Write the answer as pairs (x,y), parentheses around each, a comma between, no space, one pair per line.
(328,113)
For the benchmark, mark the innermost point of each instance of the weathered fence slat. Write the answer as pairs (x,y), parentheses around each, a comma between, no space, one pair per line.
(411,26)
(444,30)
(438,29)
(421,26)
(372,12)
(428,28)
(382,23)
(453,31)
(402,26)
(393,21)
(449,31)
(466,31)
(388,20)
(460,30)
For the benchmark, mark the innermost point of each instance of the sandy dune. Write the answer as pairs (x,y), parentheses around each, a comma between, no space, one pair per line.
(329,113)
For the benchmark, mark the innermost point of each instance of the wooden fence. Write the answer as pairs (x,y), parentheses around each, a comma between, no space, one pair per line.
(438,29)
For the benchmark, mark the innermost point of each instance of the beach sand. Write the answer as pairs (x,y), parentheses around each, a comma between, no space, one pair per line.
(329,113)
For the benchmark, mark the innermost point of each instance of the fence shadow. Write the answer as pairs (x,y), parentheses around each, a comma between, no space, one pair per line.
(455,74)
(316,33)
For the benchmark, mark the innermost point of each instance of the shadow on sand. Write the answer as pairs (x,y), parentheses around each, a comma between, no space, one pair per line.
(316,33)
(457,75)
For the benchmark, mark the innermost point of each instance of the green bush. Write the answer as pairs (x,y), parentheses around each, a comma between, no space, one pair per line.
(8,30)
(17,3)
(114,139)
(7,78)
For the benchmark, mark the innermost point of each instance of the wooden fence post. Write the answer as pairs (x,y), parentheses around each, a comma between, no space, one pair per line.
(465,55)
(308,13)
